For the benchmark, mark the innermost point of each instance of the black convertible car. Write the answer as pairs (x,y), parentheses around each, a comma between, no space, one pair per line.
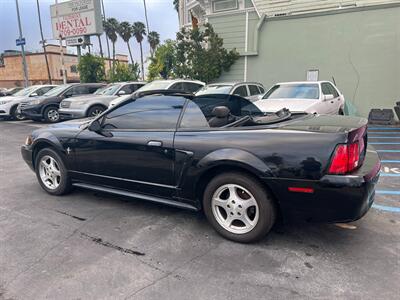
(216,153)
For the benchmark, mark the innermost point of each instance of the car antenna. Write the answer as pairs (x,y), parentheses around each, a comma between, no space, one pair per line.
(334,81)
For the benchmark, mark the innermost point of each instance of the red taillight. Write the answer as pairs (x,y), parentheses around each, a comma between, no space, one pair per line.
(345,159)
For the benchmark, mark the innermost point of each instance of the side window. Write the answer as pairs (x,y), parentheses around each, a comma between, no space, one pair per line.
(254,90)
(92,89)
(334,92)
(241,91)
(78,90)
(152,112)
(128,89)
(177,86)
(193,117)
(43,90)
(191,87)
(326,90)
(262,91)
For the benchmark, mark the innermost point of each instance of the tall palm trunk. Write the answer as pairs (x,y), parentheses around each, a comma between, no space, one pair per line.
(113,63)
(130,52)
(141,60)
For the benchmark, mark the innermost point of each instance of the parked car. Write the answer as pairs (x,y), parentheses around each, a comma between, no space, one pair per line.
(93,105)
(320,97)
(249,90)
(184,85)
(46,107)
(240,166)
(9,104)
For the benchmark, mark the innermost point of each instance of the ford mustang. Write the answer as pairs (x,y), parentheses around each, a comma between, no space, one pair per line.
(217,153)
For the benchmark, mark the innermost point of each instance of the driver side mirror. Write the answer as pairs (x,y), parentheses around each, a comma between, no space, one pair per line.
(120,93)
(95,126)
(33,95)
(328,97)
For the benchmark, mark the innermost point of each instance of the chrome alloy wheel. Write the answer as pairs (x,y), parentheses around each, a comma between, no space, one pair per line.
(53,115)
(235,208)
(96,112)
(50,173)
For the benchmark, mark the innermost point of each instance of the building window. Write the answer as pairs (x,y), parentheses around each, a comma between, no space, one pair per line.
(2,61)
(74,69)
(224,5)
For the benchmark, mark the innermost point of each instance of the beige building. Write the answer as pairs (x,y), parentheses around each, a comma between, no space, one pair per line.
(11,72)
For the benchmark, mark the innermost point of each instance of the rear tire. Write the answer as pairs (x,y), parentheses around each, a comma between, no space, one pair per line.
(96,110)
(15,115)
(51,114)
(239,207)
(51,172)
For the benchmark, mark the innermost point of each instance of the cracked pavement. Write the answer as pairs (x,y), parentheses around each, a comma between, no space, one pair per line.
(90,245)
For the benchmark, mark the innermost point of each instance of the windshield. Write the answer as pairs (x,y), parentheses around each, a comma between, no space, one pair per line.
(108,90)
(57,90)
(26,91)
(215,89)
(155,85)
(294,91)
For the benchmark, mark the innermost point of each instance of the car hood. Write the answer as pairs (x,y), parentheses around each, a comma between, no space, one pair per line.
(273,105)
(72,124)
(14,98)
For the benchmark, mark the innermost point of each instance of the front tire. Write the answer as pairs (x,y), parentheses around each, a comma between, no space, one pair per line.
(52,173)
(239,207)
(51,114)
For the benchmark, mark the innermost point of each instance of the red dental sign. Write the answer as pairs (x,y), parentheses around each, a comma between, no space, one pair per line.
(76,18)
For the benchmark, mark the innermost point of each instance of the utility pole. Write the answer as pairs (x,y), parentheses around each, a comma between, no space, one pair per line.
(64,75)
(145,14)
(43,43)
(108,44)
(25,69)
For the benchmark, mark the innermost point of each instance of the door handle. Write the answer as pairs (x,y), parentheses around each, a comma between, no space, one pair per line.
(332,102)
(154,143)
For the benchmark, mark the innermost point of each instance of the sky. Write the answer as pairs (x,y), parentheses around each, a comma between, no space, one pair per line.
(161,14)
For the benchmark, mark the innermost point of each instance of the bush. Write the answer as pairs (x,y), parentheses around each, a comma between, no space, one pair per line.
(91,68)
(124,72)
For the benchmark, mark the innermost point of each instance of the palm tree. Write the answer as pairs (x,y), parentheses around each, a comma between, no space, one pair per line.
(110,27)
(139,31)
(154,41)
(125,30)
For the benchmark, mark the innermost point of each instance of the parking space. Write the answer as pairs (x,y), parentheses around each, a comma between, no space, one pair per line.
(386,140)
(90,245)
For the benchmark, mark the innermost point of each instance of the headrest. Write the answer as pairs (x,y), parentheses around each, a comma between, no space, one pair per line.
(220,111)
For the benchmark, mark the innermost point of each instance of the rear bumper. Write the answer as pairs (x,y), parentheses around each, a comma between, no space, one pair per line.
(335,198)
(32,112)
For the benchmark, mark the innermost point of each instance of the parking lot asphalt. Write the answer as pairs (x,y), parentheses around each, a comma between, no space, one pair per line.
(89,245)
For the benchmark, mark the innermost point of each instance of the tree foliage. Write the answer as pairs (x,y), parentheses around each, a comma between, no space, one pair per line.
(91,68)
(124,72)
(154,40)
(200,54)
(163,61)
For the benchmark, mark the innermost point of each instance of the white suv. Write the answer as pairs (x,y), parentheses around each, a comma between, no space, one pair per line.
(8,104)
